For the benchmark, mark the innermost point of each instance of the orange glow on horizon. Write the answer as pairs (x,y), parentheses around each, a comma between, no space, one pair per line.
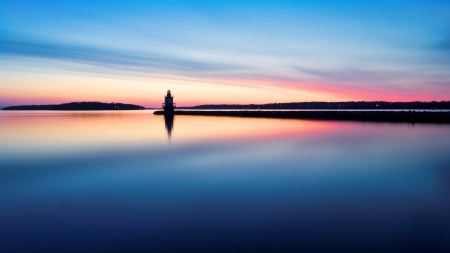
(149,92)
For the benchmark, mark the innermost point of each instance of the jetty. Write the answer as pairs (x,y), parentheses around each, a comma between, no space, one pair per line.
(411,116)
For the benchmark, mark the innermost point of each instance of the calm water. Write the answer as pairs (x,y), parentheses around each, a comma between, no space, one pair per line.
(133,181)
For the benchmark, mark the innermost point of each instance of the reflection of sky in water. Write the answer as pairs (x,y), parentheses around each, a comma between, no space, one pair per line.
(114,181)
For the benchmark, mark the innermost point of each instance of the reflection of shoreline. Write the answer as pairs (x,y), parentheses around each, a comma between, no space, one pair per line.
(384,116)
(168,121)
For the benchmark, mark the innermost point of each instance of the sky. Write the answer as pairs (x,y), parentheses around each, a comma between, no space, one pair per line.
(223,52)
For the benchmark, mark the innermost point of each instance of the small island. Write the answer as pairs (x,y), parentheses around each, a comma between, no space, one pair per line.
(78,106)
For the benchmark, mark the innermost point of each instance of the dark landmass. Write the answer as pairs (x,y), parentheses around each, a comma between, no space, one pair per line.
(78,106)
(334,105)
(382,116)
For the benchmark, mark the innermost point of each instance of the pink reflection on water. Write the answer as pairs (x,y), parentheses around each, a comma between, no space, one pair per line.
(50,132)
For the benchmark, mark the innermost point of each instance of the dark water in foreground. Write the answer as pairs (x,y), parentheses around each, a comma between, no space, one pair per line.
(117,182)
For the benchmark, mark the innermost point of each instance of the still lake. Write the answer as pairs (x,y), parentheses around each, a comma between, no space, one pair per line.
(132,181)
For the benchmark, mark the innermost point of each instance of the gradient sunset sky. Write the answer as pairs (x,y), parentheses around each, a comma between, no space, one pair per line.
(223,51)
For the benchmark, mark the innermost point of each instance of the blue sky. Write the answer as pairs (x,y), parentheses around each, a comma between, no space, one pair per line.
(279,51)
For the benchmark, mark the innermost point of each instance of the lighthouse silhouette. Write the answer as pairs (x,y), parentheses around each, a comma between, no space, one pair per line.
(168,104)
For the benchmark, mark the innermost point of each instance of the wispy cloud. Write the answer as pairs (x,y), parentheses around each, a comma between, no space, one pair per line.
(110,59)
(347,75)
(445,43)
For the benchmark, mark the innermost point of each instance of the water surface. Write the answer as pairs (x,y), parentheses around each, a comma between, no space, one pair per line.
(134,181)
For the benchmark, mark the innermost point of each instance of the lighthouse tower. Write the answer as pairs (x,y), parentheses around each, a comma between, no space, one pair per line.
(168,104)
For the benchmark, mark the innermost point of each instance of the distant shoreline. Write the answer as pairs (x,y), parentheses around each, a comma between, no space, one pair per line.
(76,106)
(358,105)
(411,116)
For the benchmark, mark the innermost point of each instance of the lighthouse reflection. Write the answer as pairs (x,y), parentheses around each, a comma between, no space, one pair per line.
(168,120)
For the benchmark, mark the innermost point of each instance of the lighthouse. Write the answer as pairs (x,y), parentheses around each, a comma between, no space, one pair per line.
(168,104)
